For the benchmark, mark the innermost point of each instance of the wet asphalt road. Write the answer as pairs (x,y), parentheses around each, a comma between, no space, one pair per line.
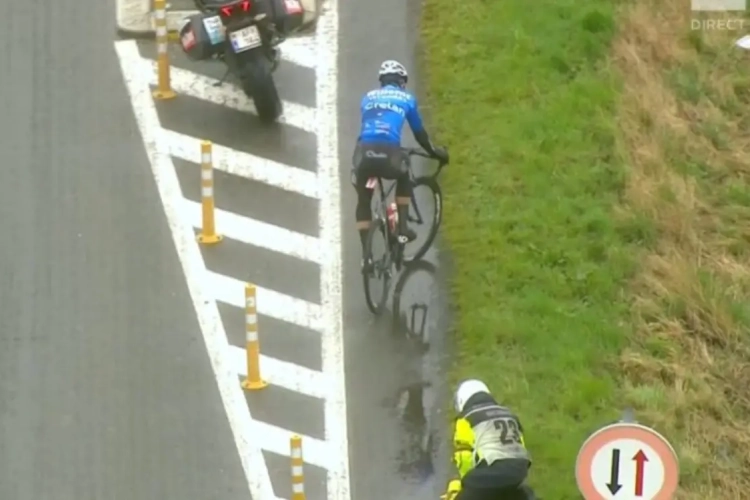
(395,392)
(282,336)
(105,386)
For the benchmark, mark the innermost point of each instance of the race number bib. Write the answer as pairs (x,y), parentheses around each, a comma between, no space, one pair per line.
(508,429)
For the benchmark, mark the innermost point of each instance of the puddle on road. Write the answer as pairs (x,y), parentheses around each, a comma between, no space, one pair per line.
(402,444)
(415,460)
(418,320)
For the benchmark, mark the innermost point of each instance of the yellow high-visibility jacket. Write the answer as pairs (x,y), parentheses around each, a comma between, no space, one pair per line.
(496,441)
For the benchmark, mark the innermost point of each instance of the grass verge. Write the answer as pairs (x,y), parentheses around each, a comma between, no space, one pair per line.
(596,210)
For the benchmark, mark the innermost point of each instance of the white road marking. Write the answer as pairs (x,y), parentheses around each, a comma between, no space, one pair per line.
(186,82)
(134,15)
(175,19)
(270,303)
(287,375)
(292,179)
(326,98)
(276,440)
(205,287)
(256,233)
(214,336)
(301,51)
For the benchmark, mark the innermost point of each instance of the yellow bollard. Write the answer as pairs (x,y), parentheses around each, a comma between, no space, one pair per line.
(163,87)
(253,382)
(208,234)
(298,478)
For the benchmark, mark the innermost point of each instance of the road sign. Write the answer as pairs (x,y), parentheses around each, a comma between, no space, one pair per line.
(627,461)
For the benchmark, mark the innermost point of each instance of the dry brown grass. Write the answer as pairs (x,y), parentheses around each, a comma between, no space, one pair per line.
(684,120)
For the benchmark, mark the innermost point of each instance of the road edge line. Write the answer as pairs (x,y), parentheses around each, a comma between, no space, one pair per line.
(326,98)
(194,268)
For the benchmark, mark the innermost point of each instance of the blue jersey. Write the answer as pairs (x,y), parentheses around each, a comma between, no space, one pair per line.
(384,112)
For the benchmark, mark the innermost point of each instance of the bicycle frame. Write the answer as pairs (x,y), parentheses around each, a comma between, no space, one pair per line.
(394,252)
(373,182)
(379,212)
(377,182)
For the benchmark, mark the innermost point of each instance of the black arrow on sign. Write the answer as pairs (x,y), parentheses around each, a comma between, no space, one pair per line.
(614,476)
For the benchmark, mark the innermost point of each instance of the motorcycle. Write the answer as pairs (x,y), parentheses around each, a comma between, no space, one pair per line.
(245,34)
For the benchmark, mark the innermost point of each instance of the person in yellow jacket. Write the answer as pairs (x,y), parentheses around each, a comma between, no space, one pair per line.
(489,449)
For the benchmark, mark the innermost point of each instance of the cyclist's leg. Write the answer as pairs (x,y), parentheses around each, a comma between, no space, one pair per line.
(404,196)
(363,214)
(470,491)
(499,481)
(398,169)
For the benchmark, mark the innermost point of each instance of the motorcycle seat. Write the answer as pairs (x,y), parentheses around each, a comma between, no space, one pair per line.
(221,3)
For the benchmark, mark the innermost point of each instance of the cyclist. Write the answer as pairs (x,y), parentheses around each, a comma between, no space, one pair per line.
(378,152)
(490,453)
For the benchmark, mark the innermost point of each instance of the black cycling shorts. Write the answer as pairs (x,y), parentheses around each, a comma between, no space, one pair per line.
(378,160)
(503,480)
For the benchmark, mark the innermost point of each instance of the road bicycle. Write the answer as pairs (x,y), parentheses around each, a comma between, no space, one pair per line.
(385,225)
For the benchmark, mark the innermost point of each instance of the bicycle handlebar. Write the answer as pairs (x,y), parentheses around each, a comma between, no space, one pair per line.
(424,154)
(416,152)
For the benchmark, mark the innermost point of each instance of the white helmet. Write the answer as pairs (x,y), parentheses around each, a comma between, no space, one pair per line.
(466,390)
(391,67)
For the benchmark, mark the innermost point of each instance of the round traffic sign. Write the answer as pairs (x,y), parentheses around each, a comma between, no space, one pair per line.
(627,461)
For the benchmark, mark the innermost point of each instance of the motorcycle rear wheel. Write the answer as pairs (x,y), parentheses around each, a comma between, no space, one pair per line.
(260,87)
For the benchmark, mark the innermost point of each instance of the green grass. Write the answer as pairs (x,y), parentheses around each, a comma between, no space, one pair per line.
(597,209)
(523,96)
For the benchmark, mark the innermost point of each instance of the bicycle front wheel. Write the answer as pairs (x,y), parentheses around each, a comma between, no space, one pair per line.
(377,278)
(426,211)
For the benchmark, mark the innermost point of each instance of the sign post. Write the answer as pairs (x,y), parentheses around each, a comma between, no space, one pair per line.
(627,461)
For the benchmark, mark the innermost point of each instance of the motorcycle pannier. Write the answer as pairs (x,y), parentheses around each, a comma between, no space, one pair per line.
(202,36)
(288,15)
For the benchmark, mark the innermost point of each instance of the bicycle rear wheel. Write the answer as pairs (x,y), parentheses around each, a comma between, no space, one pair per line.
(428,184)
(380,268)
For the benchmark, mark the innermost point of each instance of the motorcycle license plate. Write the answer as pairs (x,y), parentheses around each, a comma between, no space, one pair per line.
(245,39)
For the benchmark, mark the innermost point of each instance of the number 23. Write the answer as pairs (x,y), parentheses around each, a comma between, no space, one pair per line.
(509,431)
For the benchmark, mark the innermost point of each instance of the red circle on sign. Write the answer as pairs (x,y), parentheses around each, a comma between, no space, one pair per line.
(606,435)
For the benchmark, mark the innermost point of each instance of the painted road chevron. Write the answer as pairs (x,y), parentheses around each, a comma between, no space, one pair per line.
(279,233)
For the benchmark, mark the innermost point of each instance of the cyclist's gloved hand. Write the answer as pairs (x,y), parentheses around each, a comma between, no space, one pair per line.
(454,487)
(441,154)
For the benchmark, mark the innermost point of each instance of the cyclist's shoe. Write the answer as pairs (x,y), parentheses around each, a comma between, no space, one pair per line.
(367,265)
(407,236)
